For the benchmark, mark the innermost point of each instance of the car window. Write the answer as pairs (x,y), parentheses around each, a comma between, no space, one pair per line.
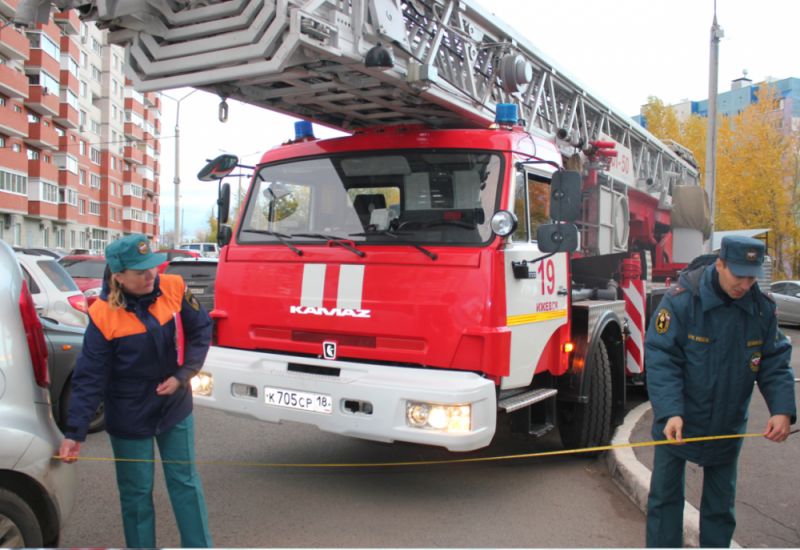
(84,268)
(209,248)
(193,270)
(32,286)
(778,288)
(58,275)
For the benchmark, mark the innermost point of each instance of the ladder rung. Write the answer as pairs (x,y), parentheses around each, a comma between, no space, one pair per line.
(516,402)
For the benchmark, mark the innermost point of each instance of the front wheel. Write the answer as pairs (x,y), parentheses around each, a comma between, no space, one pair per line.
(19,527)
(588,424)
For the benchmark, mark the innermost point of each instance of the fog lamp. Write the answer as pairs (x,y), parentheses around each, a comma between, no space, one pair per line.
(444,418)
(202,384)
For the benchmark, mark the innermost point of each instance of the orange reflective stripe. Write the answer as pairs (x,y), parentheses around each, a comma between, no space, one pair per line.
(172,289)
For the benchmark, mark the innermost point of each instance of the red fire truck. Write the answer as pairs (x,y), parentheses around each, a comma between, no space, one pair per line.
(481,248)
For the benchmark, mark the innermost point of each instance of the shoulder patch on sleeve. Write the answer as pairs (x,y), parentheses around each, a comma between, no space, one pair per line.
(189,298)
(675,290)
(663,317)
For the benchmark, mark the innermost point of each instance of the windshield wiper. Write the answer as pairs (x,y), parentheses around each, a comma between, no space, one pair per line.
(280,236)
(395,235)
(332,239)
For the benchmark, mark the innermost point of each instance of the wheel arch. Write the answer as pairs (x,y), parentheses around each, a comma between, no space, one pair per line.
(37,498)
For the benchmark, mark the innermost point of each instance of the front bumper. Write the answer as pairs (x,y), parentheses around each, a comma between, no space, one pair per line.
(386,389)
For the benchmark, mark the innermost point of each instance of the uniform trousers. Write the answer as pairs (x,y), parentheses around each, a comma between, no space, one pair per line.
(665,503)
(135,483)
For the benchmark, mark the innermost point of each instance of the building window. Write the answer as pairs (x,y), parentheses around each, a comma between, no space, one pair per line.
(94,208)
(16,147)
(95,73)
(82,206)
(82,148)
(43,42)
(82,177)
(13,183)
(49,192)
(18,234)
(94,154)
(46,237)
(33,154)
(61,238)
(72,238)
(84,88)
(95,181)
(113,214)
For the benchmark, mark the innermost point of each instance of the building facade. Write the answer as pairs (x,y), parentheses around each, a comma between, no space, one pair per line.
(79,147)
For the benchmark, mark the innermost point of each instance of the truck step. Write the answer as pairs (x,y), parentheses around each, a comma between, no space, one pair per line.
(521,400)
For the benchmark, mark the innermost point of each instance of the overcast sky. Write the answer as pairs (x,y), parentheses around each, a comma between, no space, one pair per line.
(621,50)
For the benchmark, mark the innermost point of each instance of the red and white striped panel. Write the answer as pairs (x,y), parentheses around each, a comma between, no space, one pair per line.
(633,293)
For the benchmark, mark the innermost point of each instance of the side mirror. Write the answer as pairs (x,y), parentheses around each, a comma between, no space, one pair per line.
(224,235)
(557,237)
(223,204)
(218,168)
(565,196)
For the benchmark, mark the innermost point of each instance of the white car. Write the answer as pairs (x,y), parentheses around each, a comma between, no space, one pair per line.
(787,297)
(55,294)
(206,250)
(37,493)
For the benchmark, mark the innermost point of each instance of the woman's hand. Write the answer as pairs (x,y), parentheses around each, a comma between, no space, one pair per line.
(69,450)
(168,386)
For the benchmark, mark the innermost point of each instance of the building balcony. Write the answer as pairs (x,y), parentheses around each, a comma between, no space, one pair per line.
(132,131)
(68,116)
(42,209)
(70,46)
(132,226)
(13,123)
(43,170)
(42,101)
(40,60)
(68,20)
(131,104)
(14,44)
(67,212)
(13,83)
(131,176)
(41,136)
(133,154)
(69,80)
(68,179)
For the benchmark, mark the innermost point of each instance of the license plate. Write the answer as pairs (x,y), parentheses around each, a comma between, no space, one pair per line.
(197,289)
(304,401)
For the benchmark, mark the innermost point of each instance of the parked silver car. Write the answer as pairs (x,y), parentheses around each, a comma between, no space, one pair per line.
(787,297)
(36,492)
(64,346)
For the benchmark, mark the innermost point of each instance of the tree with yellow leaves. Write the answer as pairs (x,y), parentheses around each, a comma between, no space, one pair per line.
(757,170)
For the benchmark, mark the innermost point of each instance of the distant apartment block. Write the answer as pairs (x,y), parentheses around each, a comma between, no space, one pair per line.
(79,147)
(742,94)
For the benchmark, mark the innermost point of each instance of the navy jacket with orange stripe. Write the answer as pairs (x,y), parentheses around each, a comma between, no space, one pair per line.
(128,352)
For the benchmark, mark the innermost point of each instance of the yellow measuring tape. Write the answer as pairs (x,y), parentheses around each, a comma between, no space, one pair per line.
(425,462)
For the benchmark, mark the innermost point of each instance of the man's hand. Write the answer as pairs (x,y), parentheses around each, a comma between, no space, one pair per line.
(69,450)
(777,428)
(168,386)
(674,429)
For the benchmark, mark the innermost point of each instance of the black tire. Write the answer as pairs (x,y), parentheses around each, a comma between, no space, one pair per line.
(583,425)
(98,422)
(19,527)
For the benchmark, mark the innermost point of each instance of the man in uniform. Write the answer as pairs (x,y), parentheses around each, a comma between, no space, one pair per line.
(712,337)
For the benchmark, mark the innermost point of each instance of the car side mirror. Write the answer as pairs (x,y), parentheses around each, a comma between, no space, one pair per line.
(557,237)
(223,204)
(565,196)
(224,235)
(218,168)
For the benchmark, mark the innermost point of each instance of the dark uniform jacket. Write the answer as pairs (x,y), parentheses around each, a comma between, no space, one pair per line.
(702,358)
(128,352)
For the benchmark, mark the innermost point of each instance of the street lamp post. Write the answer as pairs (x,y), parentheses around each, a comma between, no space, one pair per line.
(177,179)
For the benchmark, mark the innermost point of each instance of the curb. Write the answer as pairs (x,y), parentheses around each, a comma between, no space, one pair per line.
(633,477)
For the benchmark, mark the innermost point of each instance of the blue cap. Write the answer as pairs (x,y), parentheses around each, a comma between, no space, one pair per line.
(132,252)
(743,255)
(303,129)
(505,113)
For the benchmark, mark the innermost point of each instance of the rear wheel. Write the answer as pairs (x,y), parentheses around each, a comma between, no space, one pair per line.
(19,527)
(588,424)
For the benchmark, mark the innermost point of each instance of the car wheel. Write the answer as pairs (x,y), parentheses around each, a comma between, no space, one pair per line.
(98,422)
(19,527)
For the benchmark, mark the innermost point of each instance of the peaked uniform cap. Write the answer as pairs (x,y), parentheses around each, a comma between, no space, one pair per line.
(132,252)
(743,255)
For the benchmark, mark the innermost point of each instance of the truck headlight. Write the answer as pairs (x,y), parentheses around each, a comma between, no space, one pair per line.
(445,418)
(202,384)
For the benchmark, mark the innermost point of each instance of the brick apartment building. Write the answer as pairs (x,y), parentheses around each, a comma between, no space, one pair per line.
(79,146)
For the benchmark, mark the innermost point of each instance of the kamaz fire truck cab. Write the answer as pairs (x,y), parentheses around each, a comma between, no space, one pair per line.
(406,285)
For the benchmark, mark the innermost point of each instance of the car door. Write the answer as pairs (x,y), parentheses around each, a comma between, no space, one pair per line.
(787,297)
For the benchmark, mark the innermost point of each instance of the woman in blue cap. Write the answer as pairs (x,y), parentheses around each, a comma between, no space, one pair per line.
(146,338)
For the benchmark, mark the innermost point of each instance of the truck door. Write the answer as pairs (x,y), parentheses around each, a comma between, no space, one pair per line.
(536,286)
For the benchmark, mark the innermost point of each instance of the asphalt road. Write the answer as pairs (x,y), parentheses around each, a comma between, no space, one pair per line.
(536,502)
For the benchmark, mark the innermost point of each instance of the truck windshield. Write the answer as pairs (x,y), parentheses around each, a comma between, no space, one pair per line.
(386,197)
